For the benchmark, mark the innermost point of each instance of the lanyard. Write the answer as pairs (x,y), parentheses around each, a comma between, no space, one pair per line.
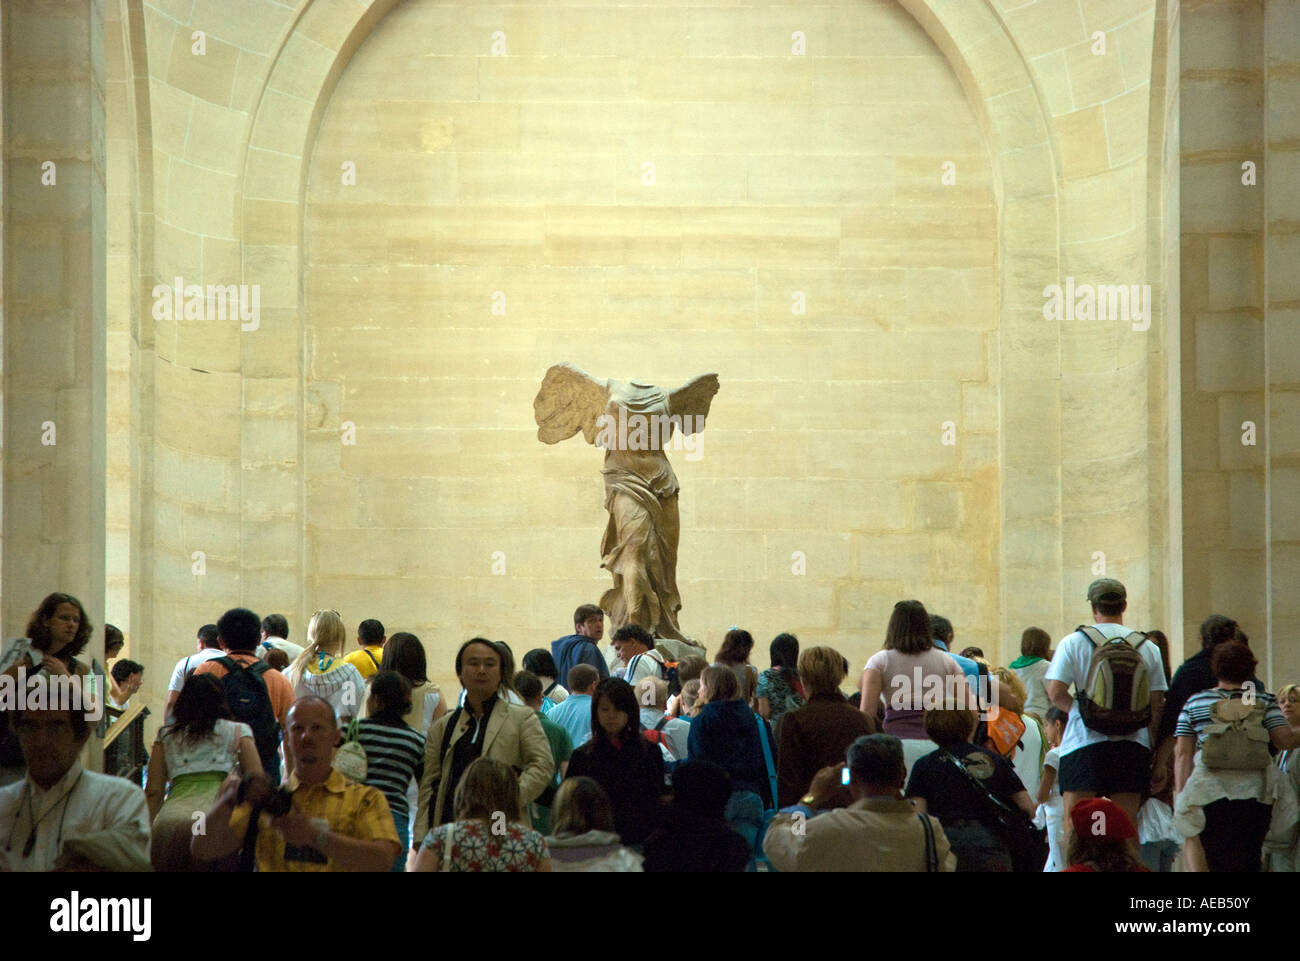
(36,822)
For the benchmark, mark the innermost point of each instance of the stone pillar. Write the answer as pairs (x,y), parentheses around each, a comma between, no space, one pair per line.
(1281,45)
(1223,412)
(54,341)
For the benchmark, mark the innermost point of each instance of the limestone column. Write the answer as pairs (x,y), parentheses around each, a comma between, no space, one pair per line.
(54,341)
(1282,338)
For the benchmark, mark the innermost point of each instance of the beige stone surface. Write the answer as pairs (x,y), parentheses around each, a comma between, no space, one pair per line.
(779,178)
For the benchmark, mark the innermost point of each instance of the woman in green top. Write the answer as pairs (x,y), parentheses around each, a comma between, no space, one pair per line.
(1031,667)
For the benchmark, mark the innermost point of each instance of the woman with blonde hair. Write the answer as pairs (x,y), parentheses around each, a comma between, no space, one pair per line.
(582,835)
(486,835)
(818,734)
(320,669)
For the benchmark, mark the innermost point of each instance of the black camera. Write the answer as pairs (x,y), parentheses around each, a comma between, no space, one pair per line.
(278,802)
(256,790)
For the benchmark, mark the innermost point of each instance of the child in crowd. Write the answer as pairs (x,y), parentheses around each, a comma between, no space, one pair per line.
(1051,810)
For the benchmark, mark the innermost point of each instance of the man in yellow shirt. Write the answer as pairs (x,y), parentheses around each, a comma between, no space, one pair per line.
(370,642)
(334,824)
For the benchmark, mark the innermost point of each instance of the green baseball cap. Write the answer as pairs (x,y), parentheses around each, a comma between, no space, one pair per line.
(1106,589)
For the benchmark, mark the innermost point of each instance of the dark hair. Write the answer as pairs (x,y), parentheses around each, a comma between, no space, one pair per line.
(877,759)
(1162,642)
(405,654)
(460,654)
(201,702)
(909,629)
(540,662)
(80,725)
(207,635)
(393,692)
(584,612)
(623,697)
(527,685)
(581,677)
(689,668)
(784,651)
(1035,642)
(972,652)
(370,632)
(239,629)
(124,668)
(702,787)
(507,665)
(1233,662)
(1216,629)
(113,638)
(276,625)
(39,633)
(581,805)
(1110,608)
(940,628)
(736,646)
(1055,714)
(950,725)
(634,632)
(1103,853)
(278,659)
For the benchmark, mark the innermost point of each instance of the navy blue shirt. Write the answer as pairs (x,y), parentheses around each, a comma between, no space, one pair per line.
(726,733)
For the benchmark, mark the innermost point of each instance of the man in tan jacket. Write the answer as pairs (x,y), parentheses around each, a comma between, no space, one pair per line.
(879,831)
(486,726)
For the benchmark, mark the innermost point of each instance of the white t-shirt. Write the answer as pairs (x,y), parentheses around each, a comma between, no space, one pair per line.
(677,733)
(646,664)
(1070,665)
(289,647)
(187,664)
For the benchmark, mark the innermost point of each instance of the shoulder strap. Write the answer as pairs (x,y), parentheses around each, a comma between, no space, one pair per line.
(983,788)
(931,851)
(767,756)
(662,721)
(553,686)
(229,663)
(372,657)
(1095,637)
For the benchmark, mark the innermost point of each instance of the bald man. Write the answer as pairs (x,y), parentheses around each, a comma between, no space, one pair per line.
(334,824)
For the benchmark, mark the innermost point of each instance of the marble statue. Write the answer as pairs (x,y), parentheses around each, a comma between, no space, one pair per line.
(635,423)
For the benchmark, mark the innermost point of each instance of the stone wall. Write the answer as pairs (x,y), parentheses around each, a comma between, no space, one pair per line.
(1241,409)
(795,149)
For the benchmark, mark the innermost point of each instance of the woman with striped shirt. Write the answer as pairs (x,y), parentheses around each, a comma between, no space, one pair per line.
(1224,812)
(394,751)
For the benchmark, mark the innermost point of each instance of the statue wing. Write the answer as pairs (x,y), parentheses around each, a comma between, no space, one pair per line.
(692,401)
(569,401)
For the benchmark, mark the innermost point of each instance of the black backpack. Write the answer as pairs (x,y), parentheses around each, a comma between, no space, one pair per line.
(250,702)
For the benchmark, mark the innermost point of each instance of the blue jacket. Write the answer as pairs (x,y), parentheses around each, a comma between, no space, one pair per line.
(726,733)
(575,649)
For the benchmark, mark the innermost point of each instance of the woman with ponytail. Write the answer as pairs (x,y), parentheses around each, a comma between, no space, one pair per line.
(321,671)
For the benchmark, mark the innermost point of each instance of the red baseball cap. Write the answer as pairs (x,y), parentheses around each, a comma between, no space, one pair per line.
(1100,817)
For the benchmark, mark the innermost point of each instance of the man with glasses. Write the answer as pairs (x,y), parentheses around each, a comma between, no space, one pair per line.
(61,817)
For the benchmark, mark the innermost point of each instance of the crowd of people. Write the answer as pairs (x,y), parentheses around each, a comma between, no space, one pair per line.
(647,755)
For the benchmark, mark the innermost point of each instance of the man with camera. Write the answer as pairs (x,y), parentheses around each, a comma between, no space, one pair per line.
(319,821)
(879,831)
